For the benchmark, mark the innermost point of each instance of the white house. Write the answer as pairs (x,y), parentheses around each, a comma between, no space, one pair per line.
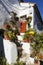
(24,11)
(31,10)
(21,9)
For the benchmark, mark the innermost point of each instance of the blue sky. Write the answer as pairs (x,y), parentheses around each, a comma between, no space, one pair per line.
(39,4)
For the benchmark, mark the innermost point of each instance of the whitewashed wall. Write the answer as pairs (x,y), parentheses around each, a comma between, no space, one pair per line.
(25,45)
(26,54)
(10,50)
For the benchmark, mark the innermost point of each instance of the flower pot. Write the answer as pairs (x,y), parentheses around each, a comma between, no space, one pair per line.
(10,51)
(26,40)
(26,48)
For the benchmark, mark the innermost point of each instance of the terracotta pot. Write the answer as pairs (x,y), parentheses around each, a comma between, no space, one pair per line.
(26,40)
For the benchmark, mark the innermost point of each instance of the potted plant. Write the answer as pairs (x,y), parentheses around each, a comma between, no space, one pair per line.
(12,35)
(37,47)
(26,38)
(6,37)
(29,35)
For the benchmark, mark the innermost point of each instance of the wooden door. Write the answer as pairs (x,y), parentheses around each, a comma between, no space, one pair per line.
(22,26)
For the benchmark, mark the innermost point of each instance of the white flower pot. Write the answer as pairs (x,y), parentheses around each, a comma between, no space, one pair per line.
(26,47)
(20,38)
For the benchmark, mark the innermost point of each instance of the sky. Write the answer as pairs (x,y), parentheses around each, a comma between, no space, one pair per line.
(39,4)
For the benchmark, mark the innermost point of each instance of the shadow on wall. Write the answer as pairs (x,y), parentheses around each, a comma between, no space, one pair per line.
(1,47)
(39,26)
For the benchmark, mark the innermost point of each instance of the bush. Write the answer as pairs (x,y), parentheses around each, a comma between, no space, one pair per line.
(2,61)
